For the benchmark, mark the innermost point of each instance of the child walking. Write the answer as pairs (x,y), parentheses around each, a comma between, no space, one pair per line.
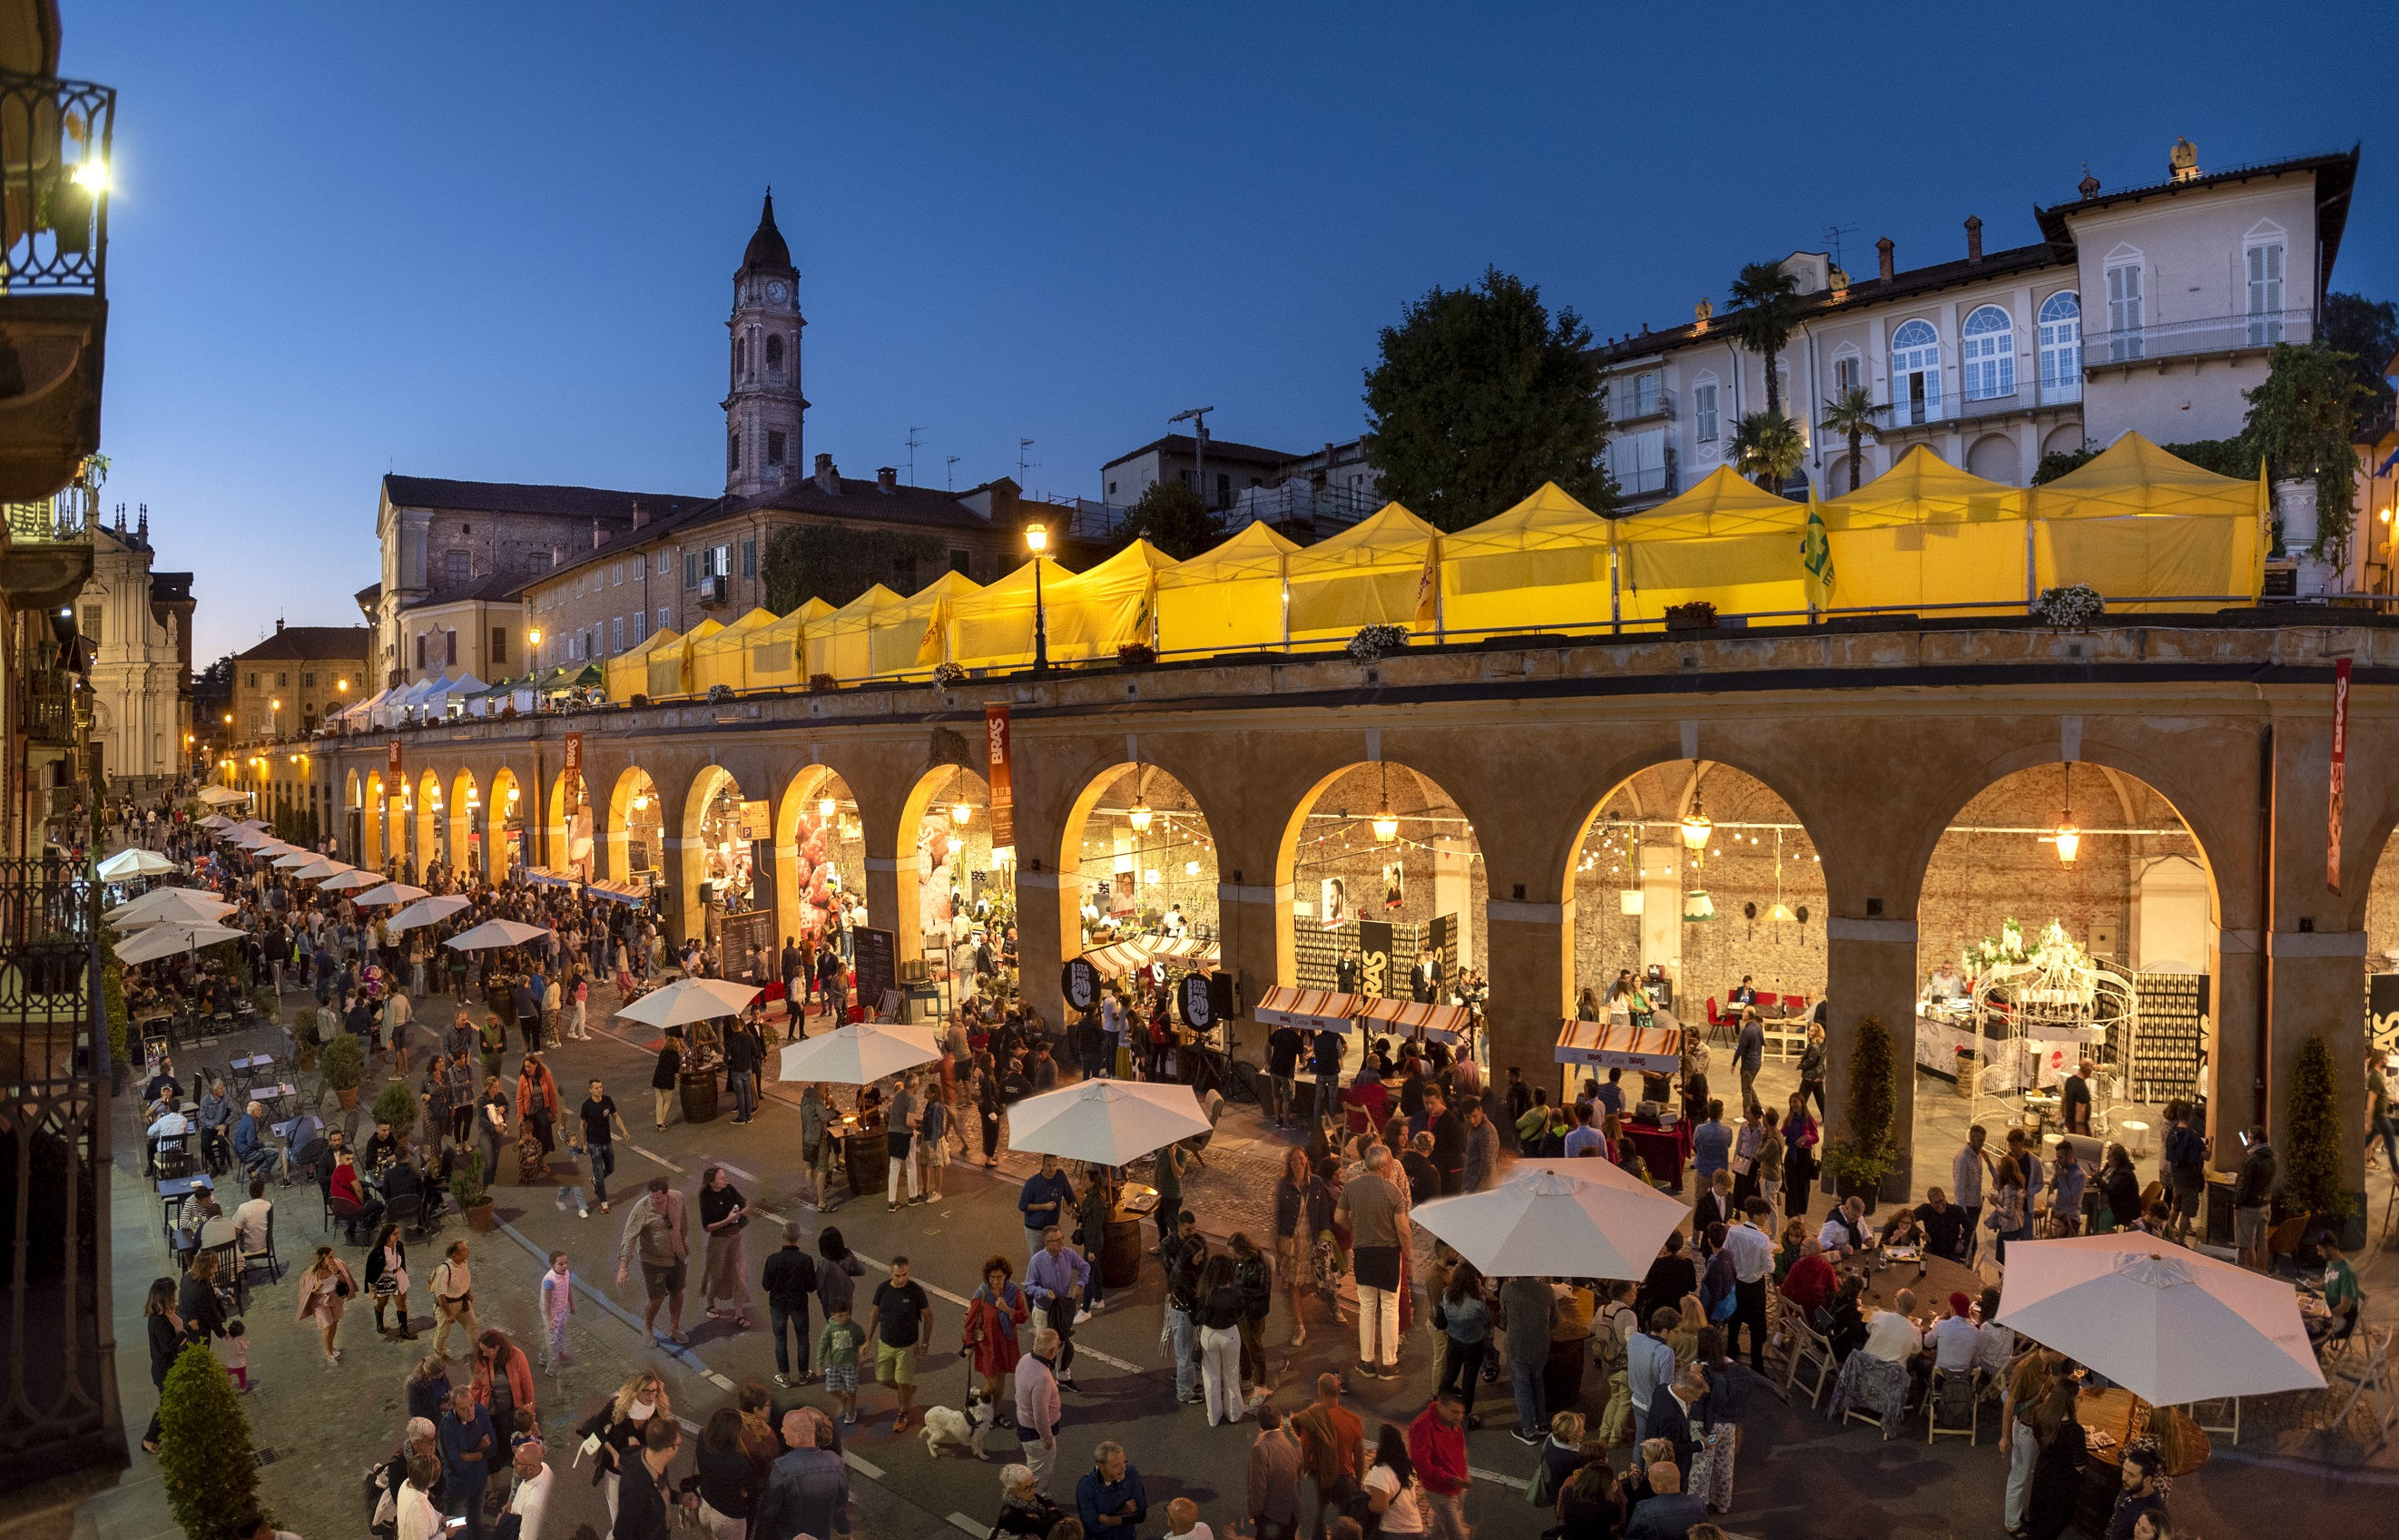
(238,1355)
(557,1306)
(837,1348)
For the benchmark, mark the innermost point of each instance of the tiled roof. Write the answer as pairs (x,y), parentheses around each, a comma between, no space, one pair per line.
(864,501)
(305,643)
(1218,448)
(435,492)
(494,588)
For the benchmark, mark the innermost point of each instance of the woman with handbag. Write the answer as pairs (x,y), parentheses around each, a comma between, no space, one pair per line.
(167,1338)
(992,1316)
(1464,1317)
(1799,1137)
(325,1289)
(387,1280)
(723,1213)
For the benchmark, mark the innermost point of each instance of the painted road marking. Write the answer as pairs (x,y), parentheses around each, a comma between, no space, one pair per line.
(683,1356)
(653,1154)
(746,1176)
(970,1526)
(864,1467)
(931,1288)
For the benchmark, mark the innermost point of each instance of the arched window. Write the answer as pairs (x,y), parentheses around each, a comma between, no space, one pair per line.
(1914,373)
(773,358)
(1989,347)
(2061,346)
(740,357)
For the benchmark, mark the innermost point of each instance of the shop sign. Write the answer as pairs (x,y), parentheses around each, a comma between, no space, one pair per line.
(1079,982)
(1375,940)
(996,772)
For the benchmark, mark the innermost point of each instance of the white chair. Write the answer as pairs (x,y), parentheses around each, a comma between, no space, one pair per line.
(1811,1356)
(2224,1410)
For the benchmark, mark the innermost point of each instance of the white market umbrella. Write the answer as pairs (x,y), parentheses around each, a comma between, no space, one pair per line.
(134,862)
(1574,1219)
(688,1000)
(344,881)
(493,934)
(2169,1325)
(297,859)
(168,904)
(216,820)
(860,1054)
(426,911)
(1107,1122)
(386,893)
(174,939)
(320,869)
(251,839)
(221,796)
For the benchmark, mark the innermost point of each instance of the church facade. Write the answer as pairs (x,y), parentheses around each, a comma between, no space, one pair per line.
(139,622)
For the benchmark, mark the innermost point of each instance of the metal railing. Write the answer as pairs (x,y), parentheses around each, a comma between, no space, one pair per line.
(54,150)
(1648,480)
(46,706)
(58,520)
(2207,335)
(2023,395)
(1638,399)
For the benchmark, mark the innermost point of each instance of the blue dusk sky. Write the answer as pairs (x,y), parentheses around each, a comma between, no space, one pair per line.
(495,241)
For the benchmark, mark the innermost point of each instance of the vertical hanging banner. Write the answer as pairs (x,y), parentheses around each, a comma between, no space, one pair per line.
(996,771)
(392,767)
(2340,772)
(573,770)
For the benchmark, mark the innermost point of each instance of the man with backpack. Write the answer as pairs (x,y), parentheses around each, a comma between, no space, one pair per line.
(2186,1169)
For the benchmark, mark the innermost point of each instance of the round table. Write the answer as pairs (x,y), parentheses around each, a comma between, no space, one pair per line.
(1932,1281)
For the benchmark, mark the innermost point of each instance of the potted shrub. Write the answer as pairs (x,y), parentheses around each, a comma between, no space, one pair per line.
(397,1106)
(2310,1140)
(466,1190)
(205,1459)
(1697,616)
(819,683)
(1136,654)
(304,1038)
(344,1065)
(1864,1155)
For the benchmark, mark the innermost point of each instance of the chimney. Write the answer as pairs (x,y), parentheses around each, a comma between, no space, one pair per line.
(828,479)
(1973,237)
(886,479)
(641,515)
(1883,249)
(279,624)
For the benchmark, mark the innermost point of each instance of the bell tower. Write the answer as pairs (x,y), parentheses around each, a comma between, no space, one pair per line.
(763,408)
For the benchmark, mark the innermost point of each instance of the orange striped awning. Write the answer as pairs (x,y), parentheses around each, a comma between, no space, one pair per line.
(1118,957)
(1186,948)
(1620,1047)
(1308,1010)
(1441,1023)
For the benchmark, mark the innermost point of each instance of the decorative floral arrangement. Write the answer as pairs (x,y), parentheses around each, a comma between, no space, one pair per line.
(1697,616)
(2077,604)
(720,695)
(1136,654)
(821,682)
(948,676)
(1374,642)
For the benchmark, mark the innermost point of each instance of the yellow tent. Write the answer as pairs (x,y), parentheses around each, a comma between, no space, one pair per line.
(772,657)
(1368,574)
(628,672)
(724,657)
(1543,563)
(837,645)
(896,636)
(671,665)
(1095,611)
(1226,600)
(1925,536)
(993,627)
(2137,522)
(1724,541)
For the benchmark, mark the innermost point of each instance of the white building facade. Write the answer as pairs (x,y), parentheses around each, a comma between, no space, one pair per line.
(139,621)
(2148,308)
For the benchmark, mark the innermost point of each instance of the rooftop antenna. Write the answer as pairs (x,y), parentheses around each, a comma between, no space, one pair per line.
(950,473)
(913,442)
(1197,418)
(1024,464)
(1833,233)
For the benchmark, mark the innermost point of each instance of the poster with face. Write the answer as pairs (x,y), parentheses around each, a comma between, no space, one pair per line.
(1336,904)
(1394,885)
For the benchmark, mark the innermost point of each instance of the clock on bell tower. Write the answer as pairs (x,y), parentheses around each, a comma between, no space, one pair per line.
(764,410)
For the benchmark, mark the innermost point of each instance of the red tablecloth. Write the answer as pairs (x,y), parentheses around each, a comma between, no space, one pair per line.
(1661,1150)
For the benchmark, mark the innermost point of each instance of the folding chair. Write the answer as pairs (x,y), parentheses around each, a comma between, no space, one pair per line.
(2220,1415)
(266,1255)
(2370,1376)
(1948,1385)
(1811,1356)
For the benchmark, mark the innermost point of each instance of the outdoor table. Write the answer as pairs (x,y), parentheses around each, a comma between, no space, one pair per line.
(1930,1278)
(865,1156)
(246,1070)
(2110,1418)
(1661,1150)
(175,1190)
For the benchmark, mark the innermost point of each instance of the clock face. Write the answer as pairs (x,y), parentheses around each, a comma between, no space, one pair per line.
(775,290)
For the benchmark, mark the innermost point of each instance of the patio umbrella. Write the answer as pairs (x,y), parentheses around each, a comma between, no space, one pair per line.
(493,934)
(858,1054)
(134,862)
(220,796)
(426,911)
(1580,1219)
(2169,1325)
(688,1000)
(345,881)
(172,938)
(1108,1122)
(388,893)
(322,867)
(295,860)
(163,905)
(216,820)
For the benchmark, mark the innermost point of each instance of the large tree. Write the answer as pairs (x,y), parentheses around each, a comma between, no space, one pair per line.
(1852,414)
(2368,333)
(1767,448)
(1171,517)
(1480,396)
(1766,302)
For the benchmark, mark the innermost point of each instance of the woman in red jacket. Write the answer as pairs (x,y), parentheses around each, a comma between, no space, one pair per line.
(503,1381)
(992,1316)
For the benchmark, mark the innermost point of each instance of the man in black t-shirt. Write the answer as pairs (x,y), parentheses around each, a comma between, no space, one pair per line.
(1327,1066)
(1282,1062)
(1945,1225)
(601,1123)
(900,1321)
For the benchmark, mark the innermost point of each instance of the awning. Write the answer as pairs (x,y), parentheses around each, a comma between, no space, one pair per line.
(1308,1010)
(544,876)
(1441,1023)
(624,893)
(1186,949)
(1118,957)
(1613,1046)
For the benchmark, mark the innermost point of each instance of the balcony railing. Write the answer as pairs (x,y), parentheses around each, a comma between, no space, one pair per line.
(2025,396)
(1648,480)
(54,149)
(55,521)
(1639,401)
(2208,334)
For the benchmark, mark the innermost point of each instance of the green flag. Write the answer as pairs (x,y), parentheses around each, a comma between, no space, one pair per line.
(1815,549)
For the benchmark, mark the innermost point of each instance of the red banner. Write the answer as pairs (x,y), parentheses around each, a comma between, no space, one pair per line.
(2340,772)
(574,770)
(392,769)
(996,771)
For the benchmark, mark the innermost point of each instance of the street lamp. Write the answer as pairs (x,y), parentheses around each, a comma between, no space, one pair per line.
(1036,540)
(274,720)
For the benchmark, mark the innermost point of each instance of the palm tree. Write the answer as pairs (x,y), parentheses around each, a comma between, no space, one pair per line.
(1853,414)
(1767,448)
(1768,300)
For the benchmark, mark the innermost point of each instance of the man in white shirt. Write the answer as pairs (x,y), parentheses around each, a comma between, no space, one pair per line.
(1182,1521)
(1892,1335)
(1845,1233)
(1753,1269)
(1956,1340)
(251,1218)
(530,1497)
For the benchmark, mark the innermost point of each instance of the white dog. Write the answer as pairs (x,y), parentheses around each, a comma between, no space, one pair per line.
(949,1429)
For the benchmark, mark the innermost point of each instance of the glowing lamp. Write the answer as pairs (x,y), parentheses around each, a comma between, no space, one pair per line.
(1698,906)
(1191,868)
(826,806)
(1386,825)
(1037,538)
(1139,815)
(1696,829)
(961,813)
(1783,914)
(2069,842)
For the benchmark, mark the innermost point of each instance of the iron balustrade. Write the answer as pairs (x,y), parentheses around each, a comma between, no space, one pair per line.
(2205,335)
(54,148)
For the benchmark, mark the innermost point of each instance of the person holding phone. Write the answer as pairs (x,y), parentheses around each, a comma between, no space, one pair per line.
(723,1213)
(468,1448)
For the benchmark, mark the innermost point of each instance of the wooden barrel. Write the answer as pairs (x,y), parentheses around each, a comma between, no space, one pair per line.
(700,1096)
(867,1158)
(1121,1259)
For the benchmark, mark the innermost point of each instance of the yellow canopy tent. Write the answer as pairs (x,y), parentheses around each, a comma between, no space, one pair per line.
(1095,611)
(628,672)
(1725,541)
(1543,563)
(1924,535)
(1368,574)
(837,645)
(993,627)
(2136,522)
(722,659)
(1227,599)
(896,637)
(771,660)
(671,665)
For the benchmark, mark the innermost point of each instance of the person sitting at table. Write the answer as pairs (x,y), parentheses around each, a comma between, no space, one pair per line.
(163,1084)
(1946,983)
(383,1148)
(1903,1229)
(251,1144)
(1893,1335)
(1945,1224)
(215,1121)
(2342,1297)
(251,1220)
(1811,1282)
(1845,1233)
(166,1136)
(1745,995)
(1956,1340)
(401,1180)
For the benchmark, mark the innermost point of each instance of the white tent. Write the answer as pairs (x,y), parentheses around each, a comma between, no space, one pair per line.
(134,861)
(440,694)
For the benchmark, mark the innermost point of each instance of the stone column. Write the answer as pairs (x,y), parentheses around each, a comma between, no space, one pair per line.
(2235,1002)
(686,867)
(1870,970)
(1254,939)
(1531,950)
(893,903)
(1047,934)
(2319,984)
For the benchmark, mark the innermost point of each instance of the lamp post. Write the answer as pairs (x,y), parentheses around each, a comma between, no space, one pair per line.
(274,721)
(1036,540)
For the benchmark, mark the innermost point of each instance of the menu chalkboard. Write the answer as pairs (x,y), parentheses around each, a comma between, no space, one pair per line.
(878,964)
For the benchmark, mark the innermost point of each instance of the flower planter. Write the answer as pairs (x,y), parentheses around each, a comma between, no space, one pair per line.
(348,1096)
(479,1217)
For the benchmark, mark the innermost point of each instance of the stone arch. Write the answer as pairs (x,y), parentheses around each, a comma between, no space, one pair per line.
(710,850)
(820,851)
(466,816)
(1995,457)
(936,852)
(372,850)
(1184,849)
(636,816)
(504,850)
(431,845)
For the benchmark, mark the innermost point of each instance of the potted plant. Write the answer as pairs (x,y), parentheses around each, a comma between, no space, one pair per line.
(397,1106)
(344,1064)
(1136,654)
(819,683)
(2310,1140)
(1863,1155)
(205,1459)
(466,1190)
(1697,616)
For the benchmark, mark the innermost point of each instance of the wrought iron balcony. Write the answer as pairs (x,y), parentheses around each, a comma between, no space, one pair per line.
(54,145)
(2164,339)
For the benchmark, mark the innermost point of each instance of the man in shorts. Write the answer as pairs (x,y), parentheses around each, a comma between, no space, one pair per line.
(655,1226)
(900,1322)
